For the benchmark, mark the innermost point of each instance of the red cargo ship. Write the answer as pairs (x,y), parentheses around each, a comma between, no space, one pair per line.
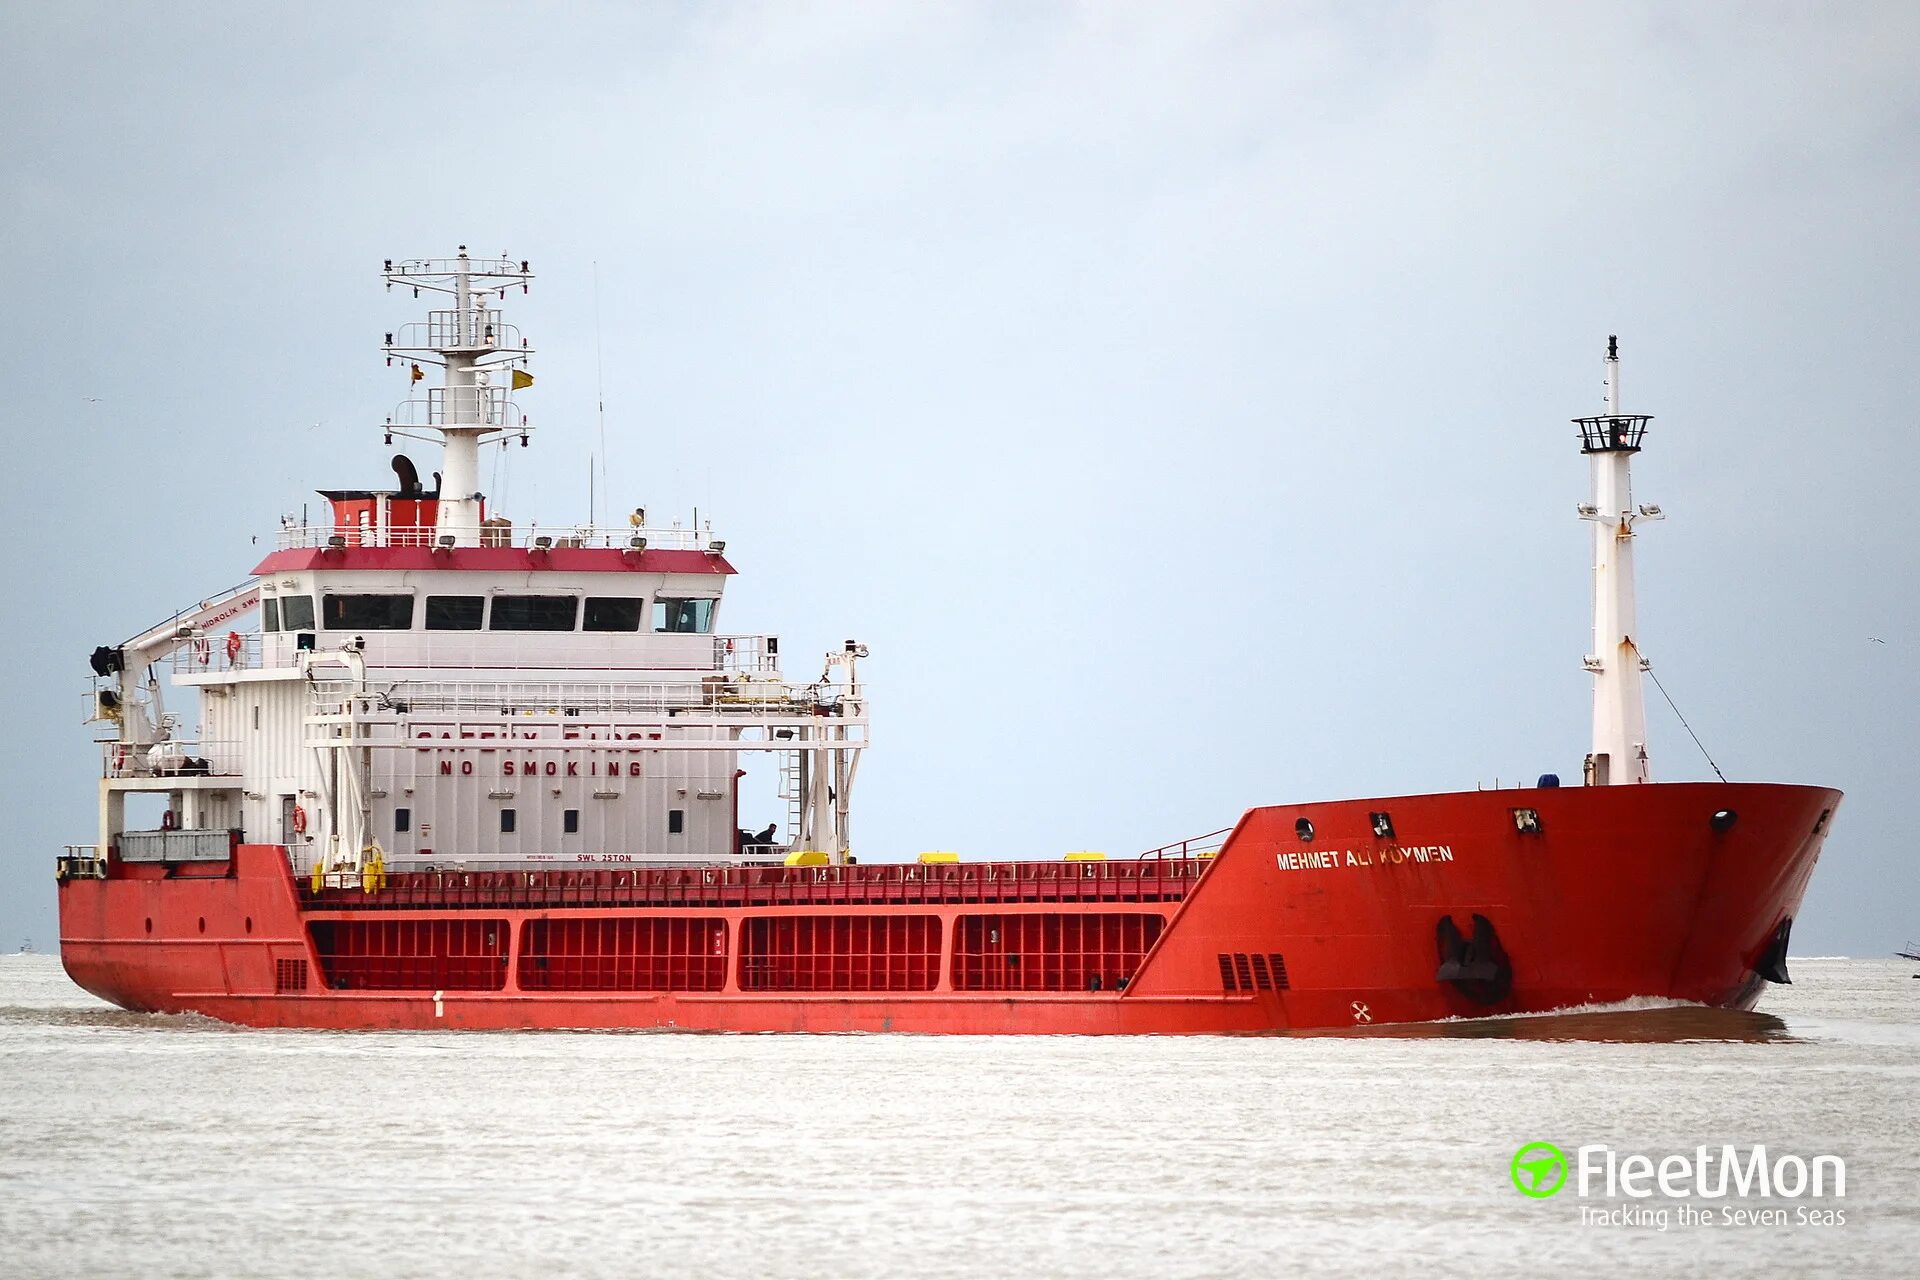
(467,776)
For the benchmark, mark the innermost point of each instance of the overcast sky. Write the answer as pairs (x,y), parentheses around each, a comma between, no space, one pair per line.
(1174,397)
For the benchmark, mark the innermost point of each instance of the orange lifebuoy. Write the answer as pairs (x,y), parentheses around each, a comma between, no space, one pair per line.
(234,644)
(166,820)
(299,820)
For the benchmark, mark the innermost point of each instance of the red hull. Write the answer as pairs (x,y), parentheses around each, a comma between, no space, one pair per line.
(1620,892)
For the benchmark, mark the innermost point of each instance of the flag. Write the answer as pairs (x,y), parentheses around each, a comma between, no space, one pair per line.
(521,378)
(417,374)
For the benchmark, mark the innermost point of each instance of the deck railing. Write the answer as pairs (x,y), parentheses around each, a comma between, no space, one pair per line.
(620,537)
(874,884)
(1205,846)
(193,759)
(697,655)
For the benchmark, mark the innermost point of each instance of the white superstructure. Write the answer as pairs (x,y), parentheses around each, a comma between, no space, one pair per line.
(419,684)
(1610,440)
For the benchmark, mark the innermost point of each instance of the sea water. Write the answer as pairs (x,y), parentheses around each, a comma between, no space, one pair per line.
(135,1145)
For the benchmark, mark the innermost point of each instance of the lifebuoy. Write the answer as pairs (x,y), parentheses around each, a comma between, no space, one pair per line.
(166,820)
(233,646)
(299,820)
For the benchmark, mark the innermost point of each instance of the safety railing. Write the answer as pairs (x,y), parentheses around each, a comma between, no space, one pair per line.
(589,701)
(876,884)
(170,759)
(458,331)
(750,655)
(474,268)
(220,651)
(206,845)
(469,406)
(660,658)
(1205,846)
(80,862)
(624,537)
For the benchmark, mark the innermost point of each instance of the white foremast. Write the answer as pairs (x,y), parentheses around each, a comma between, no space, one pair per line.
(1619,753)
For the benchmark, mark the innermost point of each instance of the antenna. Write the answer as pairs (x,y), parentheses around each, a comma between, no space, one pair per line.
(600,400)
(472,343)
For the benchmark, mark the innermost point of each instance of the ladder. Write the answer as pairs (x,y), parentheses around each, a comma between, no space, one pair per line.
(793,790)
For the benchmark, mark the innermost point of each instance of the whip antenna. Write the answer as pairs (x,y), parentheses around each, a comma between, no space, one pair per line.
(600,401)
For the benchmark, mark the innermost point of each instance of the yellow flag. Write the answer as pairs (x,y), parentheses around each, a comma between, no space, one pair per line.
(417,375)
(521,378)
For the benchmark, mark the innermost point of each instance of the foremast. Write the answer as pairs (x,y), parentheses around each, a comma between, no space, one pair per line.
(1619,753)
(485,360)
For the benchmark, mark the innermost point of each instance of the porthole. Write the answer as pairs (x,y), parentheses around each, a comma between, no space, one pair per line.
(1304,829)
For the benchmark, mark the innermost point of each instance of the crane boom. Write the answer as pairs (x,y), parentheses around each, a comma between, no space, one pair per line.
(129,664)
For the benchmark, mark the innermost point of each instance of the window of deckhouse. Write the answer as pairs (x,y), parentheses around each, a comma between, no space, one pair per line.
(270,614)
(296,613)
(671,615)
(367,612)
(534,613)
(455,613)
(613,613)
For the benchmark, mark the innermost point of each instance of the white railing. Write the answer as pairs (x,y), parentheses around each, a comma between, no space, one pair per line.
(444,330)
(475,268)
(620,537)
(511,701)
(752,655)
(221,651)
(171,759)
(646,652)
(460,407)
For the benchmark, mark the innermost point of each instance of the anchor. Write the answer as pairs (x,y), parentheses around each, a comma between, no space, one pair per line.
(1477,967)
(1772,964)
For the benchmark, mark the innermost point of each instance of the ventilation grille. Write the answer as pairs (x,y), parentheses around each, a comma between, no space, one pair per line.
(289,975)
(1241,972)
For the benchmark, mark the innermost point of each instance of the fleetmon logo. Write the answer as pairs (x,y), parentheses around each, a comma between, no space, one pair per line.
(1539,1169)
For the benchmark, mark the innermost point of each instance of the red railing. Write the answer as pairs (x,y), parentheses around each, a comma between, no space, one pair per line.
(1151,879)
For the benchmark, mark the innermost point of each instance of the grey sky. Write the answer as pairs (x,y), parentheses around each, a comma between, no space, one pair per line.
(1174,397)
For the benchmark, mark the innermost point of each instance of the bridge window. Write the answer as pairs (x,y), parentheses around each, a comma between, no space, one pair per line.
(270,614)
(534,613)
(296,613)
(455,613)
(367,613)
(613,613)
(683,615)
